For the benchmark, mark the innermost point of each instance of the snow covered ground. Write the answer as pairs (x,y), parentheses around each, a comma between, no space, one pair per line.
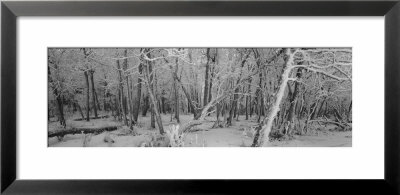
(203,137)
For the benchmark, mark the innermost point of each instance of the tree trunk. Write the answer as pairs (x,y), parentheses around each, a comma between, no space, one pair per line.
(260,97)
(153,100)
(138,94)
(236,95)
(261,103)
(196,113)
(130,107)
(321,110)
(218,112)
(79,108)
(238,108)
(248,100)
(122,94)
(61,110)
(189,108)
(105,94)
(91,72)
(117,105)
(163,105)
(293,103)
(349,120)
(211,82)
(206,79)
(215,62)
(58,98)
(259,91)
(145,105)
(266,129)
(176,92)
(152,104)
(233,107)
(318,108)
(105,108)
(152,117)
(75,130)
(110,104)
(251,107)
(97,101)
(312,110)
(87,96)
(128,90)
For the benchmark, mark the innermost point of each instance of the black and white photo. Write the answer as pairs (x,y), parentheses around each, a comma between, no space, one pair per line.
(200,97)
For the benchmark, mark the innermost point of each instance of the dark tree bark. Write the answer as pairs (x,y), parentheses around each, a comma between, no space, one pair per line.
(132,122)
(195,111)
(117,105)
(153,104)
(145,107)
(261,103)
(91,72)
(150,88)
(74,109)
(86,53)
(233,107)
(248,100)
(302,107)
(252,104)
(236,95)
(138,94)
(105,94)
(74,130)
(111,105)
(293,102)
(152,117)
(97,101)
(349,112)
(128,90)
(122,94)
(211,76)
(61,110)
(163,110)
(238,107)
(176,91)
(188,106)
(58,97)
(87,95)
(206,79)
(79,109)
(260,95)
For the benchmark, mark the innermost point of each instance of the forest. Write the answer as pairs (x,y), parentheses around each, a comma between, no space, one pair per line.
(199,97)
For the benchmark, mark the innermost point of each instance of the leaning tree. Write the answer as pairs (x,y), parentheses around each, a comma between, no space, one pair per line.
(334,64)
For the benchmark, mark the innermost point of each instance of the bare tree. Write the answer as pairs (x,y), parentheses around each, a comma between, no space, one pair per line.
(293,55)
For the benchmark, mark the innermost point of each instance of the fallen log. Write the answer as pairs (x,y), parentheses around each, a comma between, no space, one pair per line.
(73,130)
(187,127)
(343,125)
(99,117)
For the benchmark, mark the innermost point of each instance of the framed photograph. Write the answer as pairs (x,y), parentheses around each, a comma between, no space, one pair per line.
(133,97)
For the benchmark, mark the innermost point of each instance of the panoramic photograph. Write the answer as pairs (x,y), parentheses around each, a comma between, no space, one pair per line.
(199,97)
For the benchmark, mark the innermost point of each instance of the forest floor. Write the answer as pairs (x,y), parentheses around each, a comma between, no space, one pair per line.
(205,136)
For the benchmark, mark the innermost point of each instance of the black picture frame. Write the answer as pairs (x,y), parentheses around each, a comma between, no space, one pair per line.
(10,10)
